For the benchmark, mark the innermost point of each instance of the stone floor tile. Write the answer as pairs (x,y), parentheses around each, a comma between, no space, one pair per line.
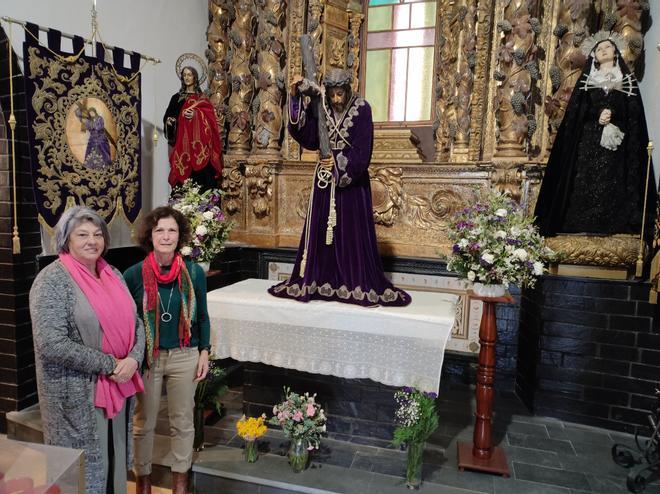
(533,456)
(571,433)
(385,464)
(552,476)
(515,486)
(447,476)
(535,442)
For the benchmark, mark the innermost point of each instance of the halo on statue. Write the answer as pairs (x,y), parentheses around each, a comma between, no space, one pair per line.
(192,60)
(590,43)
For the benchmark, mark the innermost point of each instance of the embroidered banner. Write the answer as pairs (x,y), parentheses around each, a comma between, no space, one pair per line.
(84,124)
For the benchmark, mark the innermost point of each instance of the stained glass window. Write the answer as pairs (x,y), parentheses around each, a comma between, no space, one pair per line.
(399,61)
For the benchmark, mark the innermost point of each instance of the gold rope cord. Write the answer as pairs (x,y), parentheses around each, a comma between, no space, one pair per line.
(16,240)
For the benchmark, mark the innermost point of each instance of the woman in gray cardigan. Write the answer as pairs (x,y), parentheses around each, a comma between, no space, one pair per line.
(88,345)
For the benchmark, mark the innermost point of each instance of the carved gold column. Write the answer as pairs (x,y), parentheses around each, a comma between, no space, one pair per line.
(269,78)
(479,97)
(571,21)
(293,64)
(445,86)
(517,74)
(465,78)
(242,83)
(630,27)
(232,186)
(353,60)
(315,29)
(221,13)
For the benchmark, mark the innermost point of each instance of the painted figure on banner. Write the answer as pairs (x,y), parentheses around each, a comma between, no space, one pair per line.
(338,256)
(595,180)
(91,133)
(192,131)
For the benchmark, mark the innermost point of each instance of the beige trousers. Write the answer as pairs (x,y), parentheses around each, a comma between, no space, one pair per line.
(177,368)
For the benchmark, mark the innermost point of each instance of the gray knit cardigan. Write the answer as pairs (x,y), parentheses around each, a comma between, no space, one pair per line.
(68,358)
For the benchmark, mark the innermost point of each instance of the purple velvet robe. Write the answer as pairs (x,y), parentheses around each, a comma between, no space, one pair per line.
(349,270)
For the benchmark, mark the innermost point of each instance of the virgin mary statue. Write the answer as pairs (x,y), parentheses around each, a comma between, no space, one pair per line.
(596,174)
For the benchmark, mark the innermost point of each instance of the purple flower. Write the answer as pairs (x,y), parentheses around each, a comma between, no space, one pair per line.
(455,249)
(408,389)
(474,247)
(431,394)
(195,252)
(220,216)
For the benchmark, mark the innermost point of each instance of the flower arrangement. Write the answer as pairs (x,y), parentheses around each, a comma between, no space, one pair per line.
(251,429)
(494,243)
(208,224)
(416,420)
(212,388)
(416,417)
(301,418)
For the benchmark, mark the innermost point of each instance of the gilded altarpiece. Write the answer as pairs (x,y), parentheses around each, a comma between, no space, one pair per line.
(503,74)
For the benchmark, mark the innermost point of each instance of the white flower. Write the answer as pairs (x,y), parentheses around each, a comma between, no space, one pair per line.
(201,230)
(500,234)
(520,254)
(208,215)
(463,243)
(501,213)
(515,231)
(186,250)
(538,268)
(471,276)
(488,257)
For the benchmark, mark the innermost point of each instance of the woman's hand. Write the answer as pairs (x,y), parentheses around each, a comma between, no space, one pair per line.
(605,117)
(124,370)
(188,113)
(202,366)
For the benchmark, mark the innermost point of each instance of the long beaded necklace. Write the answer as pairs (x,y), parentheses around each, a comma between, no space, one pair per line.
(165,315)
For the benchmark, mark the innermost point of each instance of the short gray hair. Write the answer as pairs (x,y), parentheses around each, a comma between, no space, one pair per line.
(71,219)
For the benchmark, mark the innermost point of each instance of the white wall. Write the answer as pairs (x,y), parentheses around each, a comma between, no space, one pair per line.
(163,29)
(649,84)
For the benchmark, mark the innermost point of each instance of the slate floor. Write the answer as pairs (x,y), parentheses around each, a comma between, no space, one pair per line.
(545,455)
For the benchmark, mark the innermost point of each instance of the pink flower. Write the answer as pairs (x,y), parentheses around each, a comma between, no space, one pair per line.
(310,410)
(298,416)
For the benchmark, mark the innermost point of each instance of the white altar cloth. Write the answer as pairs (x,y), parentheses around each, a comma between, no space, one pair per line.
(398,346)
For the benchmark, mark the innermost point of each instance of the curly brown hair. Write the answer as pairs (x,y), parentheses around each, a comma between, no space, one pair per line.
(149,222)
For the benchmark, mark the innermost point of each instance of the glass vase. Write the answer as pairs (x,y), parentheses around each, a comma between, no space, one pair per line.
(251,451)
(298,455)
(414,465)
(484,290)
(198,419)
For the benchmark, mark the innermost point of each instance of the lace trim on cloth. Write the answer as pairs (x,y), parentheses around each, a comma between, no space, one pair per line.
(327,290)
(611,137)
(391,360)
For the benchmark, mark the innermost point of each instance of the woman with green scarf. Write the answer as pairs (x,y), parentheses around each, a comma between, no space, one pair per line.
(170,294)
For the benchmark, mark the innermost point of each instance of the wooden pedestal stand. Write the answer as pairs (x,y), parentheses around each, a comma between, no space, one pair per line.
(481,455)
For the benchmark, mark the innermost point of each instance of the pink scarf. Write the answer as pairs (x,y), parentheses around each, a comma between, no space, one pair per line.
(113,306)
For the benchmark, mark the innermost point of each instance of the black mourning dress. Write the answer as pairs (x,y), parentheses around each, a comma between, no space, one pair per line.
(588,188)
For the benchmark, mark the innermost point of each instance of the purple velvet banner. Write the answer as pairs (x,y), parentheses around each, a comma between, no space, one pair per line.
(84,124)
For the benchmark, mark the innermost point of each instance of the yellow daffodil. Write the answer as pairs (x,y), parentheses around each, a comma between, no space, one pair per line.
(251,428)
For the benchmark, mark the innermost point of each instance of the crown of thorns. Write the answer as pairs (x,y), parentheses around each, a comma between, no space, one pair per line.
(337,78)
(590,43)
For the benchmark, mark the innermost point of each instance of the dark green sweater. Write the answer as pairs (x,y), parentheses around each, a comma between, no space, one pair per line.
(169,333)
